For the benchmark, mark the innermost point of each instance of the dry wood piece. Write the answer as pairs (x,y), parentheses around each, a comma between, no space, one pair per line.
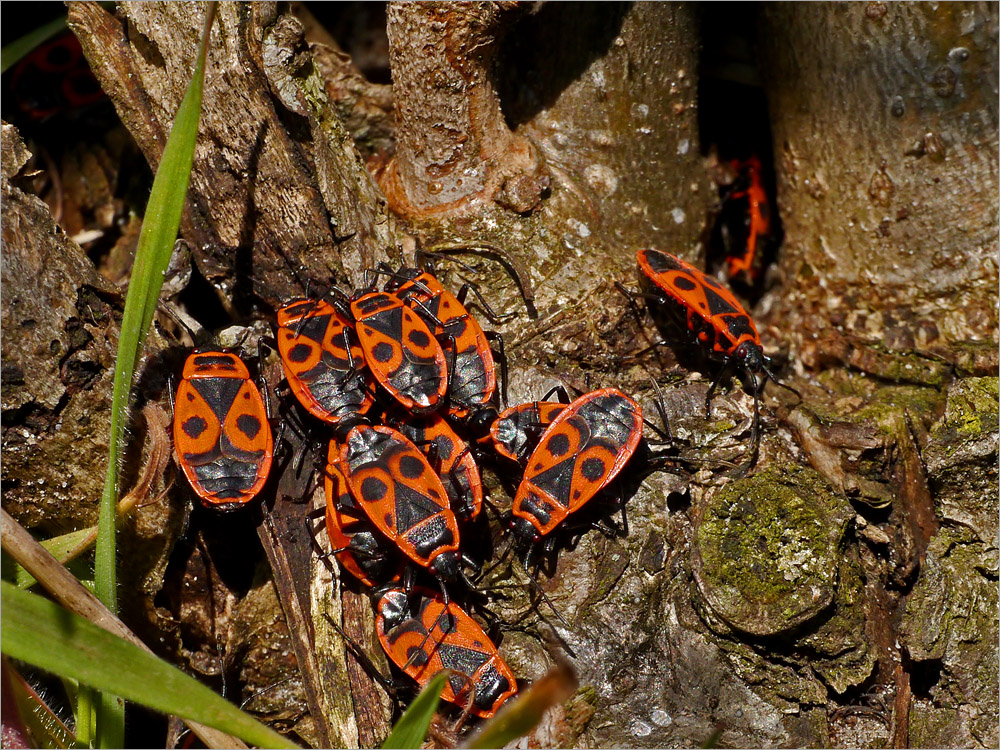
(266,205)
(454,149)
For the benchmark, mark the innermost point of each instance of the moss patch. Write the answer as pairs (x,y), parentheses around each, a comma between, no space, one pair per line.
(766,550)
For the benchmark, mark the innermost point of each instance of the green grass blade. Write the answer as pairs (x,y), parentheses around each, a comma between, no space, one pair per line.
(40,632)
(59,546)
(411,729)
(13,52)
(155,246)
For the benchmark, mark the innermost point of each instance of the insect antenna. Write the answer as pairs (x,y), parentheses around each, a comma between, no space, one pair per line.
(263,690)
(778,383)
(364,660)
(543,595)
(513,265)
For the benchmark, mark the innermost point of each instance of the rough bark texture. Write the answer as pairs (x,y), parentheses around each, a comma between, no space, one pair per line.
(278,194)
(844,593)
(885,132)
(454,151)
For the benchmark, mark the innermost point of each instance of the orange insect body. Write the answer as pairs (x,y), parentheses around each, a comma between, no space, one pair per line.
(323,361)
(361,550)
(580,453)
(709,311)
(424,639)
(400,351)
(757,218)
(714,318)
(402,495)
(511,434)
(473,376)
(221,433)
(457,466)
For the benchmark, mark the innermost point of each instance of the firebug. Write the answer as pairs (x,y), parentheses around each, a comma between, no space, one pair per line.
(472,377)
(452,458)
(712,317)
(322,360)
(515,432)
(431,635)
(405,499)
(360,548)
(54,78)
(402,354)
(221,430)
(578,455)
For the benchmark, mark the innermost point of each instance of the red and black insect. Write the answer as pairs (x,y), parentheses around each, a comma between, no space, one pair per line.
(745,223)
(405,499)
(323,361)
(452,458)
(712,317)
(402,354)
(430,635)
(579,454)
(472,376)
(221,432)
(516,430)
(363,551)
(54,78)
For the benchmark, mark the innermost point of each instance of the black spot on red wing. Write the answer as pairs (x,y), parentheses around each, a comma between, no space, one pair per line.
(382,352)
(592,469)
(659,262)
(190,396)
(739,325)
(558,445)
(683,282)
(717,304)
(370,304)
(411,467)
(58,56)
(419,339)
(246,395)
(194,426)
(299,353)
(458,326)
(388,520)
(714,282)
(373,489)
(248,424)
(576,495)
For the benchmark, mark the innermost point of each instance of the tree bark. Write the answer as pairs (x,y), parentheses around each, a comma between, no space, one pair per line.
(278,194)
(844,593)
